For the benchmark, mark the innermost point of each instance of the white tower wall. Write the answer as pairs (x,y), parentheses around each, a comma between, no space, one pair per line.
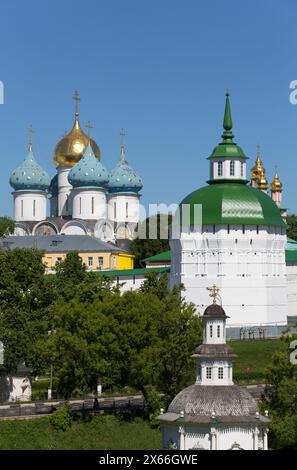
(123,207)
(89,203)
(247,263)
(29,205)
(227,168)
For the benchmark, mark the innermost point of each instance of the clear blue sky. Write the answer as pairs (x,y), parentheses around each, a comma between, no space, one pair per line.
(158,68)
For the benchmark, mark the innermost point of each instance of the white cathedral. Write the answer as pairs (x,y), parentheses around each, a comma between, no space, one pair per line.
(85,199)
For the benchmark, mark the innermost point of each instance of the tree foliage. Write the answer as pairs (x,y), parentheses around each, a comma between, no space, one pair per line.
(292,226)
(152,239)
(82,325)
(281,397)
(6,226)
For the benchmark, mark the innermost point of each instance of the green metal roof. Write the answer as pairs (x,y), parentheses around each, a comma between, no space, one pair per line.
(291,250)
(233,203)
(132,272)
(164,256)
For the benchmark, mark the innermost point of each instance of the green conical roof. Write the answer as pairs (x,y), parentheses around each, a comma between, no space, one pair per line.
(227,148)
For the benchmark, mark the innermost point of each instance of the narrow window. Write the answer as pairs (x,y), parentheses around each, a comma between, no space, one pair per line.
(80,205)
(100,261)
(34,208)
(22,208)
(210,331)
(214,229)
(115,210)
(218,331)
(232,168)
(241,169)
(127,210)
(199,372)
(221,373)
(208,372)
(257,229)
(220,168)
(243,229)
(92,205)
(90,260)
(67,205)
(228,229)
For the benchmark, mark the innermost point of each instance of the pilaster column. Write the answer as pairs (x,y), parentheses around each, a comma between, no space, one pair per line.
(265,439)
(256,440)
(181,438)
(213,439)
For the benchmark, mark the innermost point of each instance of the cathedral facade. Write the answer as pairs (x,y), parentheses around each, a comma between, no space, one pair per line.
(85,199)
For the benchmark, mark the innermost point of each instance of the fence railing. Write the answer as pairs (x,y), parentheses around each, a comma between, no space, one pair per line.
(132,403)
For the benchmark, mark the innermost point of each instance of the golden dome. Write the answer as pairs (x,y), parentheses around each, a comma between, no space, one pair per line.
(262,182)
(71,148)
(258,167)
(276,185)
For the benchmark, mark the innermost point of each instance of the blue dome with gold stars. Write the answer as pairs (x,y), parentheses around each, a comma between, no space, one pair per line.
(88,172)
(29,175)
(123,179)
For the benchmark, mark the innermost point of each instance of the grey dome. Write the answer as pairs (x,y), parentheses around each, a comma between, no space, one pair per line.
(215,310)
(203,400)
(214,350)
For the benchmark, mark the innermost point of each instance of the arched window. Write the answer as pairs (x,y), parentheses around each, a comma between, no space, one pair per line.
(232,168)
(220,168)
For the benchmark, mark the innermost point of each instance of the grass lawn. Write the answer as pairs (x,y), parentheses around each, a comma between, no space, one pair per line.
(105,432)
(253,358)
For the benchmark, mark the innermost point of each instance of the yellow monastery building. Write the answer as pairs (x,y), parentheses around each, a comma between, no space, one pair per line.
(95,254)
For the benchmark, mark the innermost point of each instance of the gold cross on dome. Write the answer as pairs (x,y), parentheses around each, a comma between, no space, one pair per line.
(31,132)
(76,100)
(122,134)
(89,127)
(214,290)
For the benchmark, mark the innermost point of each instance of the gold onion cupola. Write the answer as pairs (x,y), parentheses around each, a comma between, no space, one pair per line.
(276,185)
(258,171)
(71,148)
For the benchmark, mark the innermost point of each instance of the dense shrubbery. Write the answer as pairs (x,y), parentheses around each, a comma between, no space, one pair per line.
(142,339)
(61,419)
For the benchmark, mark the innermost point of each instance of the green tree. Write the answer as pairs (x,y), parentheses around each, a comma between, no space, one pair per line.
(6,226)
(281,397)
(25,300)
(292,226)
(144,245)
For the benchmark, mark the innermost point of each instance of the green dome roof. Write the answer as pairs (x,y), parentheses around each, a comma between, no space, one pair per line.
(234,203)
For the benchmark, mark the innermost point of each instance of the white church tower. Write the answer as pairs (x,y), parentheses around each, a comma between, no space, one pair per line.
(30,183)
(123,198)
(232,235)
(68,152)
(214,414)
(89,179)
